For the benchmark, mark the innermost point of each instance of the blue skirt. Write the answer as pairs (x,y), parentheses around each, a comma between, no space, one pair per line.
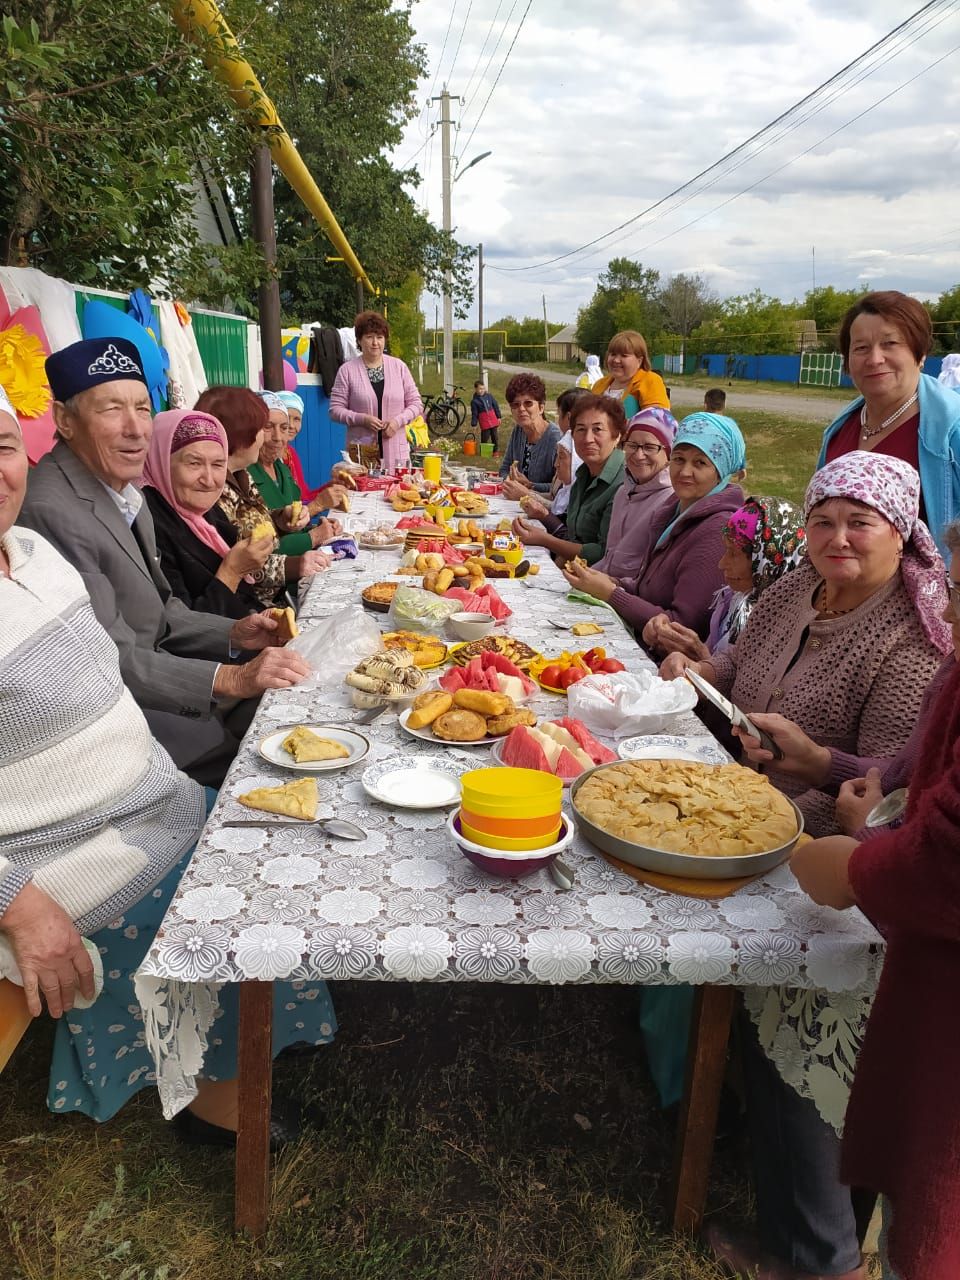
(99,1055)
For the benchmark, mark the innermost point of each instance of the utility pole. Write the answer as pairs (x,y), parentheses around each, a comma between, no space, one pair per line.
(436,330)
(268,295)
(445,99)
(546,331)
(480,374)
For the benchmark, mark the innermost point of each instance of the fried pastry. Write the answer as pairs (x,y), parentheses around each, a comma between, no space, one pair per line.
(292,800)
(498,726)
(286,623)
(428,707)
(305,746)
(460,726)
(483,702)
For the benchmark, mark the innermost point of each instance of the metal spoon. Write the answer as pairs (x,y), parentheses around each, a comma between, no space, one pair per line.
(561,874)
(560,626)
(338,827)
(888,809)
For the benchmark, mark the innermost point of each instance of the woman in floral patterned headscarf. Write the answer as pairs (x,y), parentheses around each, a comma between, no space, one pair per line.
(761,542)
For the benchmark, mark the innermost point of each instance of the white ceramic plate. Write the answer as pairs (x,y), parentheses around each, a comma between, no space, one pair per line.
(271,748)
(672,746)
(415,782)
(427,735)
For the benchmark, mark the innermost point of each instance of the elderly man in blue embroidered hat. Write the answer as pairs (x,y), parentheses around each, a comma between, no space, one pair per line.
(83,498)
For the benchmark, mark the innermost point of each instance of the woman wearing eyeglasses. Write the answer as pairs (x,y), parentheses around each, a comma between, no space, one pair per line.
(679,575)
(645,491)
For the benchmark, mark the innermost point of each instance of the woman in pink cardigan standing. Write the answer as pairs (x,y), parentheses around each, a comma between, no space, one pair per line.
(376,397)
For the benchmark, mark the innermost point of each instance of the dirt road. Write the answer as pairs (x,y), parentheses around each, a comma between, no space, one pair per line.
(815,408)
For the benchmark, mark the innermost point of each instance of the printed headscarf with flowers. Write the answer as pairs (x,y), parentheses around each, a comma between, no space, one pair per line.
(771,532)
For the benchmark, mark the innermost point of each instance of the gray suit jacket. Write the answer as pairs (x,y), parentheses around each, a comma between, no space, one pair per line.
(168,653)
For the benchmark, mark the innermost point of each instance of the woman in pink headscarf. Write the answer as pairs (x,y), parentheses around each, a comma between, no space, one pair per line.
(200,554)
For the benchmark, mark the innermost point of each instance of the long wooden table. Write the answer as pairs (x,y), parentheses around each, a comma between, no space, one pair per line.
(612,928)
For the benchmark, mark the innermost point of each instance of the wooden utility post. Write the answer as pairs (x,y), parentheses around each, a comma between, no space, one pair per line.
(480,373)
(546,331)
(268,295)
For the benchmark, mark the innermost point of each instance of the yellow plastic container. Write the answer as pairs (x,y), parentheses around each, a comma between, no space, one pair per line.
(440,514)
(504,842)
(432,464)
(511,793)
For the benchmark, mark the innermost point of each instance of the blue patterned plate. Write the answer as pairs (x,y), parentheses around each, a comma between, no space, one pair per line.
(416,782)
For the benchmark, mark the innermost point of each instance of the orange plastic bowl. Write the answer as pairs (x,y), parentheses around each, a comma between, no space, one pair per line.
(508,845)
(514,828)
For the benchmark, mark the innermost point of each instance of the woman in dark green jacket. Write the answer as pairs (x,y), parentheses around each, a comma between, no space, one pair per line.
(277,487)
(597,423)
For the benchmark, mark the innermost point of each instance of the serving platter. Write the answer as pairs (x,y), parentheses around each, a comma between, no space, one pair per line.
(426,734)
(672,746)
(693,866)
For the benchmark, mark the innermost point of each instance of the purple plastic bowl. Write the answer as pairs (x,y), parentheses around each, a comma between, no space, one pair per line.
(510,868)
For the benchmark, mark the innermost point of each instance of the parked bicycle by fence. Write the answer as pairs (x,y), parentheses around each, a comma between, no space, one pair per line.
(445,414)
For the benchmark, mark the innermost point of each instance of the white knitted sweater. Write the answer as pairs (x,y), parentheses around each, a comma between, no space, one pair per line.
(92,809)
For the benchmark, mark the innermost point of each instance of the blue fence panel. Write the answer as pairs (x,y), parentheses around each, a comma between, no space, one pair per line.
(320,440)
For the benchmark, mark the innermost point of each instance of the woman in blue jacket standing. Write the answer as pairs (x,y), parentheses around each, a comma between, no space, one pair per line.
(900,411)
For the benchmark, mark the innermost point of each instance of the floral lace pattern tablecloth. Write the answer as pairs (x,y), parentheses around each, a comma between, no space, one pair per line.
(404,905)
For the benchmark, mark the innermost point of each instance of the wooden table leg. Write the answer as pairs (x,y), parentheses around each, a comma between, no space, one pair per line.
(706,1062)
(255,1062)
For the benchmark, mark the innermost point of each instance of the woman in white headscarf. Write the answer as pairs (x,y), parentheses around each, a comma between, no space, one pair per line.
(950,372)
(592,373)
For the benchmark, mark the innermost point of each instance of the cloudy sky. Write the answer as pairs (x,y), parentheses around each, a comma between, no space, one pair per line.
(602,110)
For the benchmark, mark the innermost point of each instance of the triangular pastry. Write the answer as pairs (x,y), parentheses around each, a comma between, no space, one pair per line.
(292,800)
(305,746)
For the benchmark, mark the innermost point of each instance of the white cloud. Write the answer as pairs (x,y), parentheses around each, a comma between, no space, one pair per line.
(601,112)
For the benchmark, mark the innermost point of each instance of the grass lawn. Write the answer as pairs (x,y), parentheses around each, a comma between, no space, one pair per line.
(471,1132)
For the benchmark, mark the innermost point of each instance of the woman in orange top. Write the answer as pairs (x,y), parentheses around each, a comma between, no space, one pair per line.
(629,376)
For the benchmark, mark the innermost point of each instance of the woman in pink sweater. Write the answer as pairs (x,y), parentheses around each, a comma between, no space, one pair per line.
(375,396)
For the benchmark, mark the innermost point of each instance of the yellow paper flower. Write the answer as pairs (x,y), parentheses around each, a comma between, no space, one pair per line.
(22,372)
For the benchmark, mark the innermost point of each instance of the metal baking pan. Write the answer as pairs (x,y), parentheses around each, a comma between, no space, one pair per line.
(678,864)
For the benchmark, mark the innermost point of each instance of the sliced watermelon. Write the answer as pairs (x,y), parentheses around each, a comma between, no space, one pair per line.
(493,683)
(507,668)
(452,680)
(597,752)
(521,751)
(566,767)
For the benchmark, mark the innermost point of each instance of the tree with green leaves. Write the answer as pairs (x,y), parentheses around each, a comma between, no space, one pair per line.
(626,297)
(945,314)
(752,324)
(525,341)
(686,301)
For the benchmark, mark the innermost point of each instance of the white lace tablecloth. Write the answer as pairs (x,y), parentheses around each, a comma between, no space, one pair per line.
(404,905)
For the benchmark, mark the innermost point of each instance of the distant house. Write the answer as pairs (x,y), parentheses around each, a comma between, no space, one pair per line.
(563,346)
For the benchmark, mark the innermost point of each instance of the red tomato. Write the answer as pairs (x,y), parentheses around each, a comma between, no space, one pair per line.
(593,657)
(551,676)
(610,665)
(571,676)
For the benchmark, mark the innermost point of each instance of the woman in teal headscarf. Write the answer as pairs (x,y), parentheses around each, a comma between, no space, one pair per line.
(680,574)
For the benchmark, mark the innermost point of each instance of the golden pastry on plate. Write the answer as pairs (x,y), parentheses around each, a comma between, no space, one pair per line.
(305,745)
(293,800)
(460,726)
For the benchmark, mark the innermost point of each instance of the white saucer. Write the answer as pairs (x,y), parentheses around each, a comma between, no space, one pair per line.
(673,746)
(271,748)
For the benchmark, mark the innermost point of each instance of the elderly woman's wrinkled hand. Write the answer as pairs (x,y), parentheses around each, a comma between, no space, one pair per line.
(514,489)
(802,757)
(528,534)
(672,637)
(821,869)
(313,562)
(49,952)
(325,531)
(591,581)
(247,555)
(331,495)
(285,519)
(534,509)
(675,664)
(855,799)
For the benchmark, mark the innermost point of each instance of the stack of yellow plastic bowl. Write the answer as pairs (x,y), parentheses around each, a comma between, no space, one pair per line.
(510,809)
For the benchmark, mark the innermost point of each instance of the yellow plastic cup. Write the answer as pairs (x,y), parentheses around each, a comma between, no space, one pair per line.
(432,463)
(511,793)
(504,842)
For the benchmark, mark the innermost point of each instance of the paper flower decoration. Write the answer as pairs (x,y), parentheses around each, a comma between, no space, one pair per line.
(22,372)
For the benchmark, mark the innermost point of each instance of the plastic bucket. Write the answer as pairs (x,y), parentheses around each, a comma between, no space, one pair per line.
(486,450)
(521,843)
(470,444)
(511,793)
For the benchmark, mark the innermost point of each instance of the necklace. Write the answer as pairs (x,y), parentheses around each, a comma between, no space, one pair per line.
(869,433)
(820,606)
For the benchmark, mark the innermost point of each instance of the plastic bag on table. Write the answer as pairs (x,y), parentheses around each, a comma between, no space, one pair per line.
(628,703)
(414,609)
(336,645)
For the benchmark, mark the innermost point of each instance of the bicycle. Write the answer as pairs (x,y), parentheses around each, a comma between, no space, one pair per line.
(444,414)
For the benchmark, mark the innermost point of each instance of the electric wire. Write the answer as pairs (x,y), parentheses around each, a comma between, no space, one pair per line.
(499,74)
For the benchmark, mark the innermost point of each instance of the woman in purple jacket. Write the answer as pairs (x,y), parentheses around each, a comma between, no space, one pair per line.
(680,575)
(376,396)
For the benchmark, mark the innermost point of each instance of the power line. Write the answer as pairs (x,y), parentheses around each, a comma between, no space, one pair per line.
(499,74)
(483,47)
(493,54)
(443,50)
(738,150)
(456,53)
